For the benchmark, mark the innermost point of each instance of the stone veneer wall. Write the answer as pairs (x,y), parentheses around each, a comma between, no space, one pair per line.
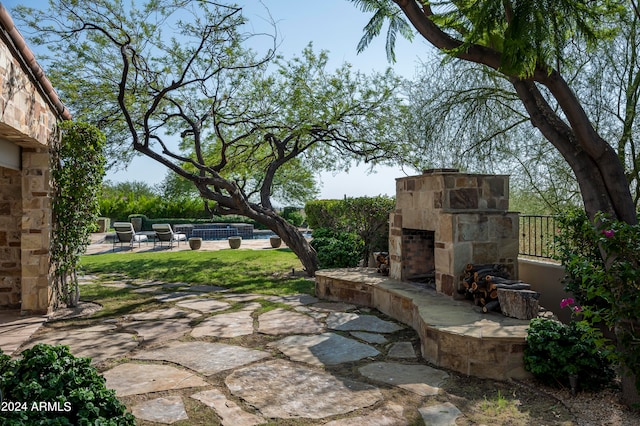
(10,220)
(36,230)
(27,120)
(468,214)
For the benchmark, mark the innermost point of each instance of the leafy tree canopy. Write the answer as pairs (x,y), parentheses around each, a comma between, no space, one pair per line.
(130,189)
(174,80)
(482,125)
(531,34)
(526,43)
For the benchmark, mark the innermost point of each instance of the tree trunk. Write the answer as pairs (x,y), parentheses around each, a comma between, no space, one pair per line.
(625,330)
(292,237)
(75,296)
(597,168)
(603,184)
(301,247)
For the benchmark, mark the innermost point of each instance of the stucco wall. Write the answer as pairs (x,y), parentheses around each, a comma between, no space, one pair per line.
(546,278)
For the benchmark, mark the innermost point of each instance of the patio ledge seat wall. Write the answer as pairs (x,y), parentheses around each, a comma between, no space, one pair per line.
(452,334)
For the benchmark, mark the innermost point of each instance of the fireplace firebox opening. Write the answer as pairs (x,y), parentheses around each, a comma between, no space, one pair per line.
(418,248)
(444,220)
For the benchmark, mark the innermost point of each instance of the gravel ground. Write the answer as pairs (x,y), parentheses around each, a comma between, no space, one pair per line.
(594,409)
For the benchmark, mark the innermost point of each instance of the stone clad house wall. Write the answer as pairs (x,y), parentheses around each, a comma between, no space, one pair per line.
(29,112)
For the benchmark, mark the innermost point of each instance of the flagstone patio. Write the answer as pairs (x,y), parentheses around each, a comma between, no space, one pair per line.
(157,361)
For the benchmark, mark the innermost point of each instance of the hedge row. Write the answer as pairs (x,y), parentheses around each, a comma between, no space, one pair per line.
(147,222)
(366,218)
(120,209)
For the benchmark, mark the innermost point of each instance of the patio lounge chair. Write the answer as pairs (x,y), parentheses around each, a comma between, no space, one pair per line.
(164,233)
(127,235)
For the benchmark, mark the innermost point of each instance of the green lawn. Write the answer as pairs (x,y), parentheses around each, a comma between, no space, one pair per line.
(245,271)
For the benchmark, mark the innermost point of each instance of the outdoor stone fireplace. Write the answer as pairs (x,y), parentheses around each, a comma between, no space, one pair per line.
(445,220)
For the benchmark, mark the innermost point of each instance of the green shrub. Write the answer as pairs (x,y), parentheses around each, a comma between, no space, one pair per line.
(556,351)
(324,213)
(118,208)
(293,216)
(51,374)
(337,249)
(368,217)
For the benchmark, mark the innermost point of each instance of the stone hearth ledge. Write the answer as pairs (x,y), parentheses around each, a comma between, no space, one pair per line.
(453,334)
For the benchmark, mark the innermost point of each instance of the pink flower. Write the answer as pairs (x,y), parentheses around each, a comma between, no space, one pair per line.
(566,302)
(608,233)
(577,309)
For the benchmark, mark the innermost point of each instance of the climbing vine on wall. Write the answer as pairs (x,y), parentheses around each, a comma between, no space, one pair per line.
(77,170)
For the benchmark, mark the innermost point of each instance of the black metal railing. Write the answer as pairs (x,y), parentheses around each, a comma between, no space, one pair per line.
(537,235)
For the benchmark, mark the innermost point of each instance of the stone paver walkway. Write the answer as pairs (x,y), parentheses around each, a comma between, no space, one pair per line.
(245,366)
(15,329)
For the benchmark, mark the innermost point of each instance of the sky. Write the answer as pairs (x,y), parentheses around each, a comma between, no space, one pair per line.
(332,25)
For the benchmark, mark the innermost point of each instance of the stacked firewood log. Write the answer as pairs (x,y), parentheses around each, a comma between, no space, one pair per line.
(481,282)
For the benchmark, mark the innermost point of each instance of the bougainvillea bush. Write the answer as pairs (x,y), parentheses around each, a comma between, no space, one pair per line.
(602,263)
